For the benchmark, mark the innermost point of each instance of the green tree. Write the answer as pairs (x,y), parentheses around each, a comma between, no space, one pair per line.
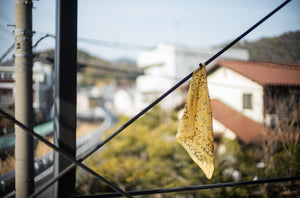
(144,156)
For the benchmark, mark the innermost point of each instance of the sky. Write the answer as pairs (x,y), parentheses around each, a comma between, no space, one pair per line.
(117,29)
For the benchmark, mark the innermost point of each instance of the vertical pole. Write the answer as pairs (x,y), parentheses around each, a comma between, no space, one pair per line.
(24,178)
(65,93)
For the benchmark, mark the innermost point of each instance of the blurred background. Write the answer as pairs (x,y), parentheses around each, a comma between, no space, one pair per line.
(129,53)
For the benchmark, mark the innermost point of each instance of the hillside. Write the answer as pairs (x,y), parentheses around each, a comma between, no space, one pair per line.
(284,48)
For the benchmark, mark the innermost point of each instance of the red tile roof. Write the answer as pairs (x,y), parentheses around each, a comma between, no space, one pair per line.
(263,73)
(245,129)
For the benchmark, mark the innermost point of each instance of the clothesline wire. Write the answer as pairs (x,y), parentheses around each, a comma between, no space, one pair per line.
(146,109)
(63,153)
(193,188)
(124,126)
(245,33)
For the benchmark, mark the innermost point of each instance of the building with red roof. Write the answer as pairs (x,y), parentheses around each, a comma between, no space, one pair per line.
(248,98)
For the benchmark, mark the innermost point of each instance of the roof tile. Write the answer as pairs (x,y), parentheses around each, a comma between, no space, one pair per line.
(245,129)
(265,73)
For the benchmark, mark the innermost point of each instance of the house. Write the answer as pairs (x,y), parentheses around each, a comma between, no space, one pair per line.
(249,98)
(166,65)
(92,100)
(7,92)
(43,82)
(7,85)
(43,88)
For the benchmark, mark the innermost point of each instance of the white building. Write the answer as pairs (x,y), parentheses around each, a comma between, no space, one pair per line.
(248,96)
(165,65)
(43,82)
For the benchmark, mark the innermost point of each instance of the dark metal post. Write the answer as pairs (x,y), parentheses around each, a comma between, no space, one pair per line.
(65,93)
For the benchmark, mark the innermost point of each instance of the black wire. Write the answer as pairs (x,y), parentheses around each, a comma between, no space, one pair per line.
(245,33)
(139,114)
(181,82)
(43,37)
(113,44)
(163,96)
(63,153)
(197,187)
(13,45)
(7,52)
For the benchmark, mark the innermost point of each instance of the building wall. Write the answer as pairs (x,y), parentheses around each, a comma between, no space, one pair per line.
(166,65)
(229,87)
(158,65)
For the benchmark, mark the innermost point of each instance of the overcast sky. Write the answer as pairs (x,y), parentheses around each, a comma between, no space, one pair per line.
(192,23)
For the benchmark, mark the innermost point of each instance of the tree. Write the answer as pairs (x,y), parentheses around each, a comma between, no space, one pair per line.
(281,149)
(144,156)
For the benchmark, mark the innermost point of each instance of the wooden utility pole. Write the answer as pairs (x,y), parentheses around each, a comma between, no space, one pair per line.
(24,176)
(65,93)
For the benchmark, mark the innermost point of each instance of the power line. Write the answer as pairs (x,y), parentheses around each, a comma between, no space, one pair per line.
(7,52)
(42,38)
(4,28)
(127,46)
(34,46)
(106,43)
(115,44)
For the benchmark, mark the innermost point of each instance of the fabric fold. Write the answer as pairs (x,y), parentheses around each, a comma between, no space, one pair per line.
(195,131)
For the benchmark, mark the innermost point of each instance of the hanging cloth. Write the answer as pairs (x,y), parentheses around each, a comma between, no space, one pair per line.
(195,131)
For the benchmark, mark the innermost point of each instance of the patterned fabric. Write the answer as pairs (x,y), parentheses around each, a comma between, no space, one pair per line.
(195,132)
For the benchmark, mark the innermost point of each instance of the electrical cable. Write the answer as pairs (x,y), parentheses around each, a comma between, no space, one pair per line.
(34,46)
(7,52)
(114,44)
(42,38)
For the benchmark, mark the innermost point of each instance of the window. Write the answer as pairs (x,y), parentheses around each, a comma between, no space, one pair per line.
(247,101)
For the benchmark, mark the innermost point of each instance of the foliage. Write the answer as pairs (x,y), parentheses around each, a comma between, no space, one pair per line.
(146,156)
(284,48)
(235,164)
(285,163)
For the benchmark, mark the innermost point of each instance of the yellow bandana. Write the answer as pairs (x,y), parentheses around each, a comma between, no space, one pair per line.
(195,132)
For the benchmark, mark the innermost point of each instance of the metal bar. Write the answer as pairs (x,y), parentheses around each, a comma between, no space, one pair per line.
(65,98)
(65,154)
(65,94)
(197,187)
(24,175)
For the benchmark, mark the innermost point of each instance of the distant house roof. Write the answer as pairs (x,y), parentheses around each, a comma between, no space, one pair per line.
(245,129)
(263,73)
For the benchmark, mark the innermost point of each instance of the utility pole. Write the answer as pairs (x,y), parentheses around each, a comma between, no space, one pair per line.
(24,176)
(65,93)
